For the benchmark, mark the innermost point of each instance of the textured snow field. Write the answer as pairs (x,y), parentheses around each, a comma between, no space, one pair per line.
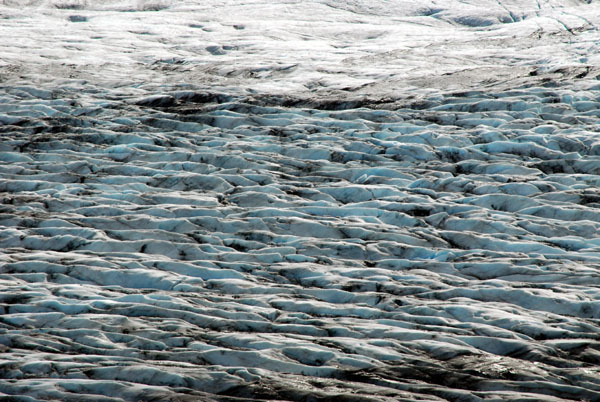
(299,200)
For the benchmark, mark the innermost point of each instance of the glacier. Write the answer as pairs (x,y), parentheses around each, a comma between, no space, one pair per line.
(299,200)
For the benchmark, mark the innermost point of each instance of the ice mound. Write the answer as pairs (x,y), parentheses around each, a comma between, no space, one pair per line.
(179,225)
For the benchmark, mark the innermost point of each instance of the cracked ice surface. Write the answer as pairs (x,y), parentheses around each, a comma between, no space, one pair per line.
(383,200)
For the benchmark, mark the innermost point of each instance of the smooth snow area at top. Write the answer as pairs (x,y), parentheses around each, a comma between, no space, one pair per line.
(293,200)
(374,47)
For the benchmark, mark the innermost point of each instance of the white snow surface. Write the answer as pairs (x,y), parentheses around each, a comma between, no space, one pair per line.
(299,200)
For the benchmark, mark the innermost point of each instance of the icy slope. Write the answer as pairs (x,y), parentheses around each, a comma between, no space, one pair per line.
(368,201)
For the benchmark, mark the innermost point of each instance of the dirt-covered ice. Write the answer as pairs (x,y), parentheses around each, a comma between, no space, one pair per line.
(285,200)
